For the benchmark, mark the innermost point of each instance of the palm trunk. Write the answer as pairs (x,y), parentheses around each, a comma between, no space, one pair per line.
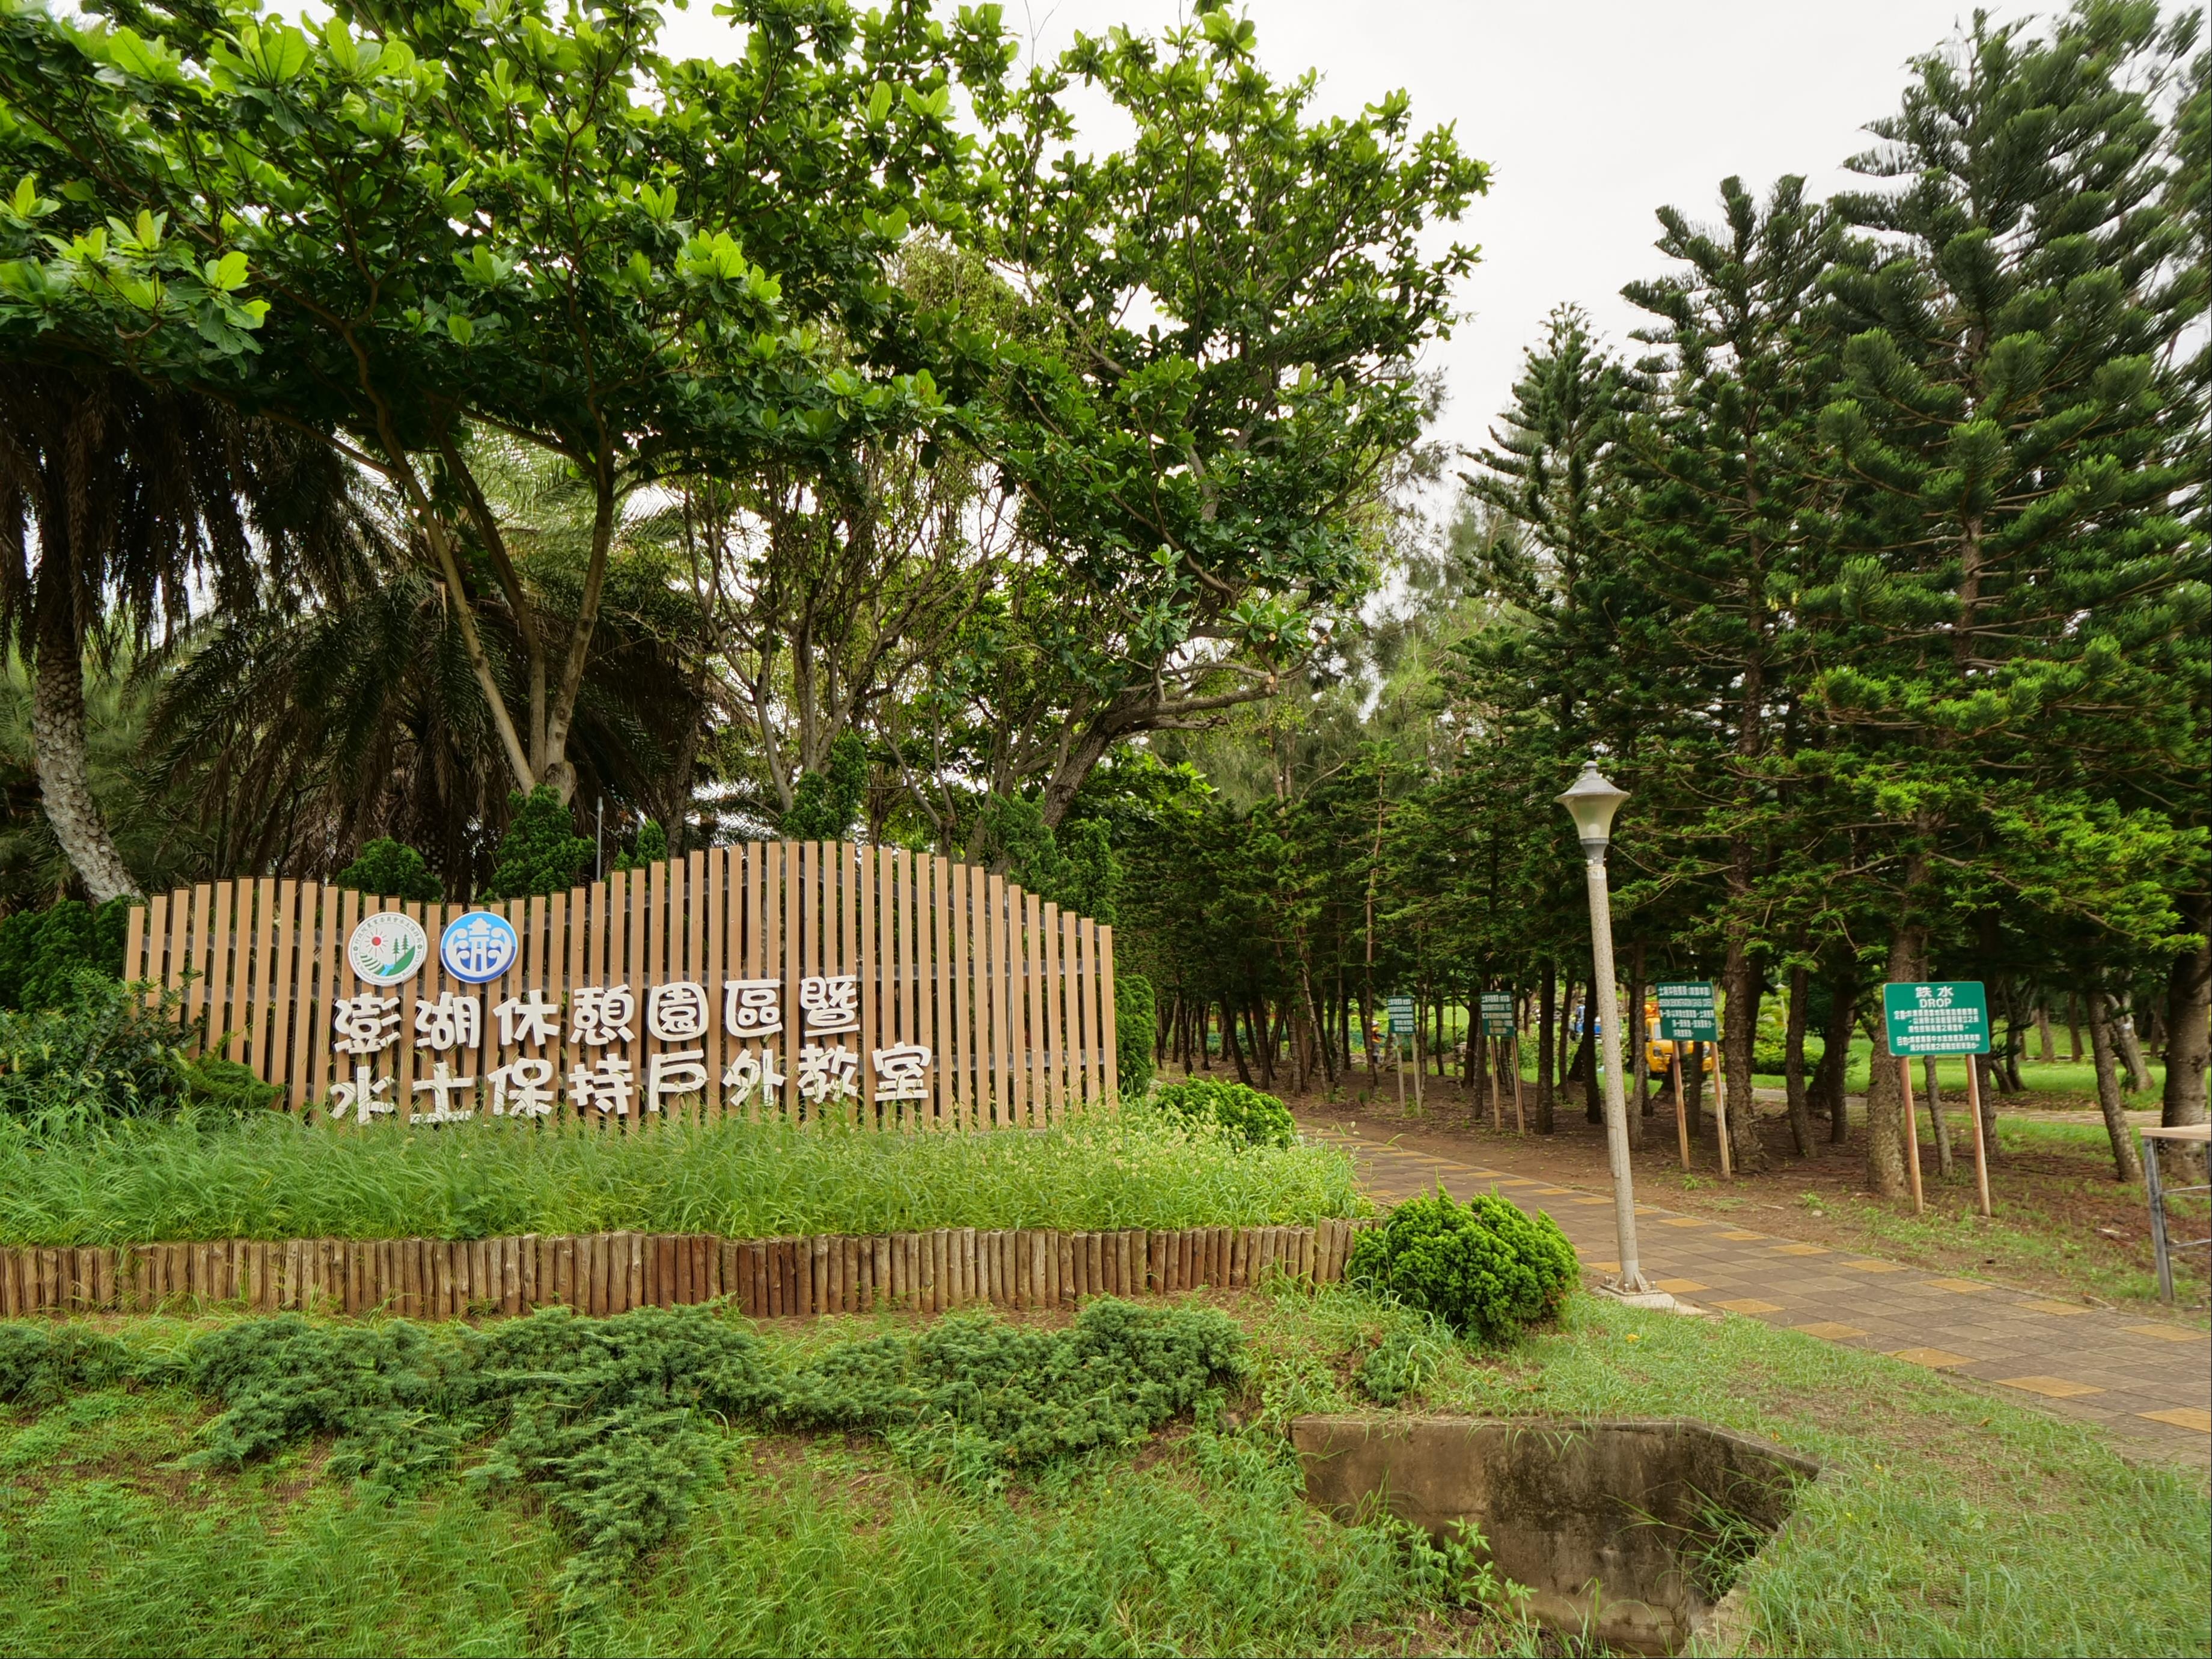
(2127,1163)
(57,744)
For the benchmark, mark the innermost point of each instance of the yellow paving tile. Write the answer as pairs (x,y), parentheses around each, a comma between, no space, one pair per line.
(2166,1333)
(1604,1267)
(2182,1417)
(2056,1387)
(1679,1286)
(1749,1304)
(1593,1201)
(1685,1221)
(1874,1266)
(1741,1233)
(1517,1181)
(2054,1308)
(1935,1357)
(1550,1192)
(1961,1286)
(1801,1250)
(1830,1329)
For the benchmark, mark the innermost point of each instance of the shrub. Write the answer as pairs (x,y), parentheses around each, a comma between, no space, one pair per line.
(1258,1120)
(1136,1024)
(1486,1268)
(541,852)
(104,1053)
(42,952)
(391,869)
(651,847)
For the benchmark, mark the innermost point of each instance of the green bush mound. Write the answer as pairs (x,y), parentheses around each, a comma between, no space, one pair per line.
(1487,1268)
(607,1419)
(1243,1111)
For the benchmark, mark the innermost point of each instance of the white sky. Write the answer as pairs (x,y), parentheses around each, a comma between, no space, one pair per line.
(1592,114)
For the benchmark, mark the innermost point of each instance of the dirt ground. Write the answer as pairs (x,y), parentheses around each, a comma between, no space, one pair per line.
(2062,1224)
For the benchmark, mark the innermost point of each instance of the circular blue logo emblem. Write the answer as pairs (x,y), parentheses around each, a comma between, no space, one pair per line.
(478,947)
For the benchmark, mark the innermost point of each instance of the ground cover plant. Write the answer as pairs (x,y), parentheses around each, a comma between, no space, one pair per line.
(271,1176)
(1944,1522)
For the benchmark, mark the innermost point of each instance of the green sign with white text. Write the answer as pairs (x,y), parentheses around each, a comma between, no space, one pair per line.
(1950,1017)
(1497,1013)
(1686,1011)
(1398,1011)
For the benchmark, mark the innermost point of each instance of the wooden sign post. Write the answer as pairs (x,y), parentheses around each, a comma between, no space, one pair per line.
(1950,1017)
(1497,1011)
(1686,1014)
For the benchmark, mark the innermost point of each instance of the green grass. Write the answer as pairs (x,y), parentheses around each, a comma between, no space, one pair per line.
(273,1176)
(1944,1523)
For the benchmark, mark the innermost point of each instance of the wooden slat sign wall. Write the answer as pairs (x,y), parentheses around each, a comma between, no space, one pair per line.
(814,979)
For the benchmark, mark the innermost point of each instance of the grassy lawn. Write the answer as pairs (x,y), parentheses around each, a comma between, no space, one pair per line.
(273,1176)
(1944,1523)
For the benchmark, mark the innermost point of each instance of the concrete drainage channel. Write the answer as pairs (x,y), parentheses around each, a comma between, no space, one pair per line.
(1629,1533)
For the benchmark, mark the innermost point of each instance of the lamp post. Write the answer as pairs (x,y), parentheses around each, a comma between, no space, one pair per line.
(1591,802)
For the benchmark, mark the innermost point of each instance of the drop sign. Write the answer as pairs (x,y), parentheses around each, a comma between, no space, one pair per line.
(1948,1017)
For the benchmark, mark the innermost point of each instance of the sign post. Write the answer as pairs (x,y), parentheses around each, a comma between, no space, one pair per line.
(1945,1016)
(1398,1014)
(1686,1014)
(1498,1021)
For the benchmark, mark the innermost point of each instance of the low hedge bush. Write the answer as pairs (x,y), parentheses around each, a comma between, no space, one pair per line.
(1258,1120)
(1487,1268)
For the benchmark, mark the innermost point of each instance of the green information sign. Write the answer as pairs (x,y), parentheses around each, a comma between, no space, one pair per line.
(1399,1010)
(1950,1017)
(1497,1013)
(1686,1011)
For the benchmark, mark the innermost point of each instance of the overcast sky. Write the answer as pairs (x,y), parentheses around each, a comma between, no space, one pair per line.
(1591,113)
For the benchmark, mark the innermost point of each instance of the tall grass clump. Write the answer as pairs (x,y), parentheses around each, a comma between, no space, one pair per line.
(272,1175)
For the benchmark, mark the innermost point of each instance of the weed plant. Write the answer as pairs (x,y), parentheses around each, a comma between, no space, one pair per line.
(272,1175)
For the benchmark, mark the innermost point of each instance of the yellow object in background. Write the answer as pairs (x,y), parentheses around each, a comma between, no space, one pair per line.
(1659,1051)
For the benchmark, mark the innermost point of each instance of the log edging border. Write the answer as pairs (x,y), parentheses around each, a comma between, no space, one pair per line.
(601,1273)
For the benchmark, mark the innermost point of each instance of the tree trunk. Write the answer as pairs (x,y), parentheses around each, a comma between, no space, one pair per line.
(58,746)
(1743,985)
(2073,1029)
(1638,1064)
(1833,1081)
(2127,1163)
(1546,1012)
(2188,1042)
(1886,1125)
(1229,1042)
(1934,1093)
(2047,1045)
(2130,1048)
(1793,1064)
(1583,1069)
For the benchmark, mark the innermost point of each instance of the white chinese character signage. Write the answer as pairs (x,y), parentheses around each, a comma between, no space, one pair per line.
(865,985)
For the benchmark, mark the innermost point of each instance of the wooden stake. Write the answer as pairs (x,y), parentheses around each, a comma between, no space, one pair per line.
(1981,1152)
(1720,1109)
(1912,1131)
(1681,1112)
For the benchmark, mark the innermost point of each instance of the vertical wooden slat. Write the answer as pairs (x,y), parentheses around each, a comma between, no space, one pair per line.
(1094,1074)
(1005,931)
(257,905)
(134,945)
(710,876)
(1109,1083)
(845,883)
(302,1077)
(197,968)
(858,867)
(1037,1106)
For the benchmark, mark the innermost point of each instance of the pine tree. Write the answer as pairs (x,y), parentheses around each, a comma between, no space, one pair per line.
(2013,579)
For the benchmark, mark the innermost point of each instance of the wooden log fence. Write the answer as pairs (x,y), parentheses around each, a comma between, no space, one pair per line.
(602,1273)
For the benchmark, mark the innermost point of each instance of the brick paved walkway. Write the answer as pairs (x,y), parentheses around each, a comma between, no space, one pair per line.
(2139,1376)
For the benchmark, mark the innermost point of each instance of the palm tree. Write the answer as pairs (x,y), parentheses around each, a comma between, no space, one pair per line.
(123,508)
